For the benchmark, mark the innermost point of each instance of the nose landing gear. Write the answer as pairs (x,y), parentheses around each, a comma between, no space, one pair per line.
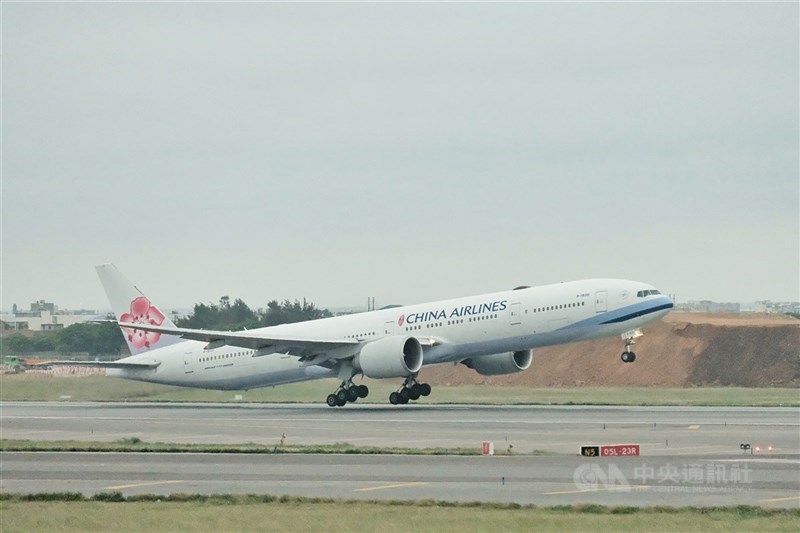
(628,356)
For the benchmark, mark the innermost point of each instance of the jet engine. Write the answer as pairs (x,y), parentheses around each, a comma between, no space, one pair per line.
(390,357)
(500,363)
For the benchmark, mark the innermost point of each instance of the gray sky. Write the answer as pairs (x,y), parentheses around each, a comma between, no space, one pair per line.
(409,152)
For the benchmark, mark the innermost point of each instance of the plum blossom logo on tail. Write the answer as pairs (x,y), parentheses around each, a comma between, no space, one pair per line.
(142,313)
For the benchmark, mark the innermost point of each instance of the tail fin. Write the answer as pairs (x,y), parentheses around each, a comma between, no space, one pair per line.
(130,305)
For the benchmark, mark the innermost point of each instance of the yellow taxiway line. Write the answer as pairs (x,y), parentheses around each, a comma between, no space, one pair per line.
(395,486)
(615,488)
(775,500)
(145,484)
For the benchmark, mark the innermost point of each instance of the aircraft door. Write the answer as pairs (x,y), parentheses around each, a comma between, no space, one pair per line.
(600,304)
(188,363)
(388,328)
(515,314)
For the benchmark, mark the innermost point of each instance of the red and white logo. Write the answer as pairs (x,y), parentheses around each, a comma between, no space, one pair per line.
(401,320)
(142,313)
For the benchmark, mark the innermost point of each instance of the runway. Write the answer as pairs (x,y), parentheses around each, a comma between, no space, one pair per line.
(690,456)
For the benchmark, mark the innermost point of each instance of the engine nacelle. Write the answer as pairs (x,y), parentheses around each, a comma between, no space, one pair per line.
(391,357)
(500,363)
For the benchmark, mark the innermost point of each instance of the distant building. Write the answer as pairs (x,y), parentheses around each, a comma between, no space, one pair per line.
(46,316)
(707,306)
(41,305)
(764,306)
(753,307)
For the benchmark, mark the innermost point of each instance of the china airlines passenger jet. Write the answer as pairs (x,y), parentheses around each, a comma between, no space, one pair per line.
(491,334)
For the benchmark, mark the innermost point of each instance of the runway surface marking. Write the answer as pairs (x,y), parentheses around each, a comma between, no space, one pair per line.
(719,447)
(145,484)
(614,488)
(395,486)
(694,426)
(775,500)
(760,460)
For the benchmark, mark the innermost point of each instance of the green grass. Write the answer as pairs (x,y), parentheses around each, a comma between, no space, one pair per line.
(39,387)
(137,445)
(263,512)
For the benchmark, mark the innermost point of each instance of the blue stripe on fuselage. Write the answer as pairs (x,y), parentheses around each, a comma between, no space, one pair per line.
(625,313)
(637,314)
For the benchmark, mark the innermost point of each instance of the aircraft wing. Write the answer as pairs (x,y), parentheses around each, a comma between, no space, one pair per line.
(101,364)
(304,347)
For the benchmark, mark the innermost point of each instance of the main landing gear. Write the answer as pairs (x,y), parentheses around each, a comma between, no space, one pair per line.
(628,356)
(347,392)
(411,390)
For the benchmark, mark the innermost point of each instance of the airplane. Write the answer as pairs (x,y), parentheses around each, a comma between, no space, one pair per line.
(492,334)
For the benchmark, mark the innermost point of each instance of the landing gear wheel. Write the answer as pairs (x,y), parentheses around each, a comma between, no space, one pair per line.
(410,391)
(630,339)
(340,402)
(352,393)
(341,395)
(332,400)
(414,392)
(405,395)
(363,391)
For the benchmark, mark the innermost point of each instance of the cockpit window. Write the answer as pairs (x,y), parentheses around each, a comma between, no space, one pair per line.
(642,294)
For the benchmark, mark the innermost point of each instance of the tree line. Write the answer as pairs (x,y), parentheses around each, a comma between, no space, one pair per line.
(237,315)
(94,339)
(107,339)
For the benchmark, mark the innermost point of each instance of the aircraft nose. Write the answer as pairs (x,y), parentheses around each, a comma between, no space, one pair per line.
(654,299)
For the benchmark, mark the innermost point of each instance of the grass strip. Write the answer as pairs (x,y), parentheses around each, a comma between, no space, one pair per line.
(138,446)
(251,499)
(257,512)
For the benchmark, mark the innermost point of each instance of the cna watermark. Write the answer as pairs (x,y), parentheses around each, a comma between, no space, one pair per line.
(690,477)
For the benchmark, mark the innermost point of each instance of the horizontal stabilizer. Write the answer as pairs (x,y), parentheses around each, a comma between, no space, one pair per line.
(102,364)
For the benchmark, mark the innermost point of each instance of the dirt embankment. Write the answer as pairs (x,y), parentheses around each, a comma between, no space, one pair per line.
(682,350)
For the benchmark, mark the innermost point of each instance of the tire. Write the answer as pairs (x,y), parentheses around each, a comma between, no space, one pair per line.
(340,402)
(405,394)
(341,394)
(332,400)
(394,398)
(414,392)
(424,389)
(352,393)
(363,391)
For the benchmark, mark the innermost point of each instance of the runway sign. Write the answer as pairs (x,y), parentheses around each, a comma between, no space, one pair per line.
(619,450)
(590,451)
(488,448)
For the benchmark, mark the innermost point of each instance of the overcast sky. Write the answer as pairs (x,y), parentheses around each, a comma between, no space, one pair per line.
(409,152)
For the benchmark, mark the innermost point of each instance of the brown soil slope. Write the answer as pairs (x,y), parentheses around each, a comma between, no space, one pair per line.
(682,350)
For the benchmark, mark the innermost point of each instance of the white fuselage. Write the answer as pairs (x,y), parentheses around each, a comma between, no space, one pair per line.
(449,330)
